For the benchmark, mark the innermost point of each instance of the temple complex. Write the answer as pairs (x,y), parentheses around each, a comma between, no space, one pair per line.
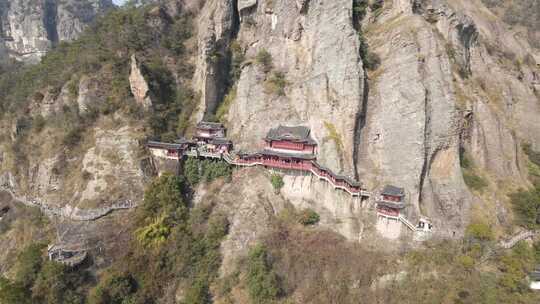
(285,148)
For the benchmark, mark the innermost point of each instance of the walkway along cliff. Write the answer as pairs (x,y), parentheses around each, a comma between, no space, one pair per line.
(286,148)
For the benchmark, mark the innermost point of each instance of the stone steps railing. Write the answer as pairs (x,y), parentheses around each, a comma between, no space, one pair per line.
(73,213)
(521,236)
(407,223)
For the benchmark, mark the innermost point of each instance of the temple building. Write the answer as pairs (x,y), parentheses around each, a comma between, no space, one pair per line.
(169,150)
(424,225)
(219,145)
(69,255)
(534,278)
(285,148)
(206,131)
(292,148)
(290,140)
(390,202)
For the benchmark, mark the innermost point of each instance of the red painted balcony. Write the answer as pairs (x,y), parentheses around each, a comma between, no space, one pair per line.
(388,212)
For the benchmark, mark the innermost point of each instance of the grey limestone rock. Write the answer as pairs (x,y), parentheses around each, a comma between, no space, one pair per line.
(139,86)
(29,28)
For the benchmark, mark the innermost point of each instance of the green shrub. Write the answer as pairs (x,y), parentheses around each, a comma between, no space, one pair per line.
(29,263)
(188,251)
(376,5)
(237,59)
(308,217)
(206,170)
(212,170)
(518,12)
(334,135)
(359,10)
(38,123)
(471,178)
(277,182)
(103,50)
(223,109)
(264,59)
(466,262)
(370,59)
(474,181)
(192,171)
(73,136)
(262,281)
(534,156)
(163,197)
(464,160)
(480,231)
(13,292)
(276,84)
(153,234)
(114,289)
(55,284)
(198,293)
(536,247)
(526,204)
(515,266)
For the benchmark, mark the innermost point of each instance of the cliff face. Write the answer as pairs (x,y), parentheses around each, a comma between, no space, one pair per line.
(442,91)
(314,44)
(29,28)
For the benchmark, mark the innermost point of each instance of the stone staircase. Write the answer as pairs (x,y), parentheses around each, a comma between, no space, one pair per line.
(407,223)
(521,236)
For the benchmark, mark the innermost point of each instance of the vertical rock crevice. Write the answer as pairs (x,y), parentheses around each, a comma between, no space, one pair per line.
(227,62)
(360,123)
(361,115)
(427,157)
(50,14)
(219,63)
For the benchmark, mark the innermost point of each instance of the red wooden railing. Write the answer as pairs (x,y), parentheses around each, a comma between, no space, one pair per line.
(388,212)
(308,166)
(276,162)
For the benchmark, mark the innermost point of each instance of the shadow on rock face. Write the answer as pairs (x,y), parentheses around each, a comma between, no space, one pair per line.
(3,210)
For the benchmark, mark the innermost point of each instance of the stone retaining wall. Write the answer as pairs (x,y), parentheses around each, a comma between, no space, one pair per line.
(68,211)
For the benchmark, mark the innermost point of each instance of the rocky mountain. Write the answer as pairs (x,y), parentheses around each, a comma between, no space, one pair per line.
(29,28)
(440,97)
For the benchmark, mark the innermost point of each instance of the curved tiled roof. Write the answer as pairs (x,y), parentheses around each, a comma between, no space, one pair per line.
(220,141)
(162,145)
(297,134)
(393,191)
(207,125)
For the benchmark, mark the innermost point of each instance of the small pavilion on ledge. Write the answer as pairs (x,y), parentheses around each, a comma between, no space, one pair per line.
(391,202)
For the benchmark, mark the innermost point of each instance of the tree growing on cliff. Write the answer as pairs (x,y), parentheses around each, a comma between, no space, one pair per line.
(12,292)
(277,182)
(29,263)
(163,205)
(264,59)
(262,281)
(527,206)
(308,217)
